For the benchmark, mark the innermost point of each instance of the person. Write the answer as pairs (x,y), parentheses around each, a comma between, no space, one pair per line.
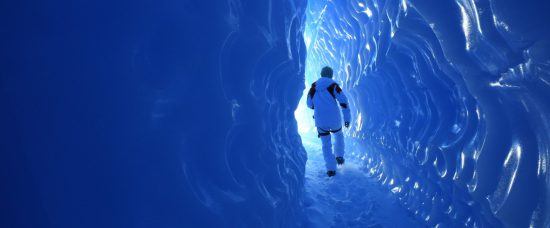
(326,98)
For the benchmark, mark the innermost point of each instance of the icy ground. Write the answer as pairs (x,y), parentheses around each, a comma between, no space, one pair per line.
(351,198)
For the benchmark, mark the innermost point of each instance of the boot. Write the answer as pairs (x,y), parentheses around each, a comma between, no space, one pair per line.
(340,160)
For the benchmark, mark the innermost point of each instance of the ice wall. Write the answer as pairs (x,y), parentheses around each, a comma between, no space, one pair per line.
(178,113)
(150,113)
(450,102)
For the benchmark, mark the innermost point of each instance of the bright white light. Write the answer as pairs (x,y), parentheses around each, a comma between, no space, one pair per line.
(465,25)
(304,117)
(359,122)
(368,12)
(396,190)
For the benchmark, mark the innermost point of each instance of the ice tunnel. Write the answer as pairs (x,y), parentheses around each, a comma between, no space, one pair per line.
(190,113)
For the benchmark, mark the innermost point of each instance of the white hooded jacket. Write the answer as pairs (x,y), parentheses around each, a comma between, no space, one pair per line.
(326,98)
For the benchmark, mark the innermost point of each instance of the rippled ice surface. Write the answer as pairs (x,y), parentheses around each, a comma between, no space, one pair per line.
(449,101)
(181,113)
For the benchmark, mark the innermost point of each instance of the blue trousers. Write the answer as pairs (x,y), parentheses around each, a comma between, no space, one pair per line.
(330,160)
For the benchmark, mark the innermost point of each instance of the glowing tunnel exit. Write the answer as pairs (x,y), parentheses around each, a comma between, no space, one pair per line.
(314,64)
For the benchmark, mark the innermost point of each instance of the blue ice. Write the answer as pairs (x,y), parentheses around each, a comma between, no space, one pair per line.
(190,113)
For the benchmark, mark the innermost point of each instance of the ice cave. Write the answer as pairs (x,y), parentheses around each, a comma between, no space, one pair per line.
(191,113)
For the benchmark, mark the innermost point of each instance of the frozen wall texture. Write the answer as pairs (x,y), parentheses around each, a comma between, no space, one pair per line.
(150,113)
(180,113)
(450,102)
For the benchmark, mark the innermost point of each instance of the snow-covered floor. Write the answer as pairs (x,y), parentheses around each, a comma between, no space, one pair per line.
(351,198)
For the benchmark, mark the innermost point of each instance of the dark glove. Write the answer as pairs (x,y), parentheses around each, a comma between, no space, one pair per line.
(346,124)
